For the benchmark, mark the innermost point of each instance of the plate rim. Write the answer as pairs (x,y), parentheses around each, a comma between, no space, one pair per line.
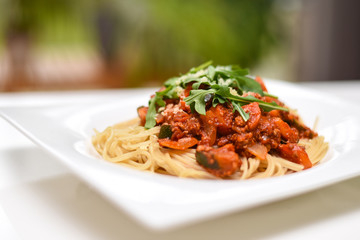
(161,225)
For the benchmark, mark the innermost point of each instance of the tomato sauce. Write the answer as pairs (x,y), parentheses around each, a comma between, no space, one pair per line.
(222,137)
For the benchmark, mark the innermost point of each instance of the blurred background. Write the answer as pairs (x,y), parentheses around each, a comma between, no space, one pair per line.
(89,44)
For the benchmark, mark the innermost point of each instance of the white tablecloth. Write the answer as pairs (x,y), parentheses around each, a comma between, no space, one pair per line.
(41,199)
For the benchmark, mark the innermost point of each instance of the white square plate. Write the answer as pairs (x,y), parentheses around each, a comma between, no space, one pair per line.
(161,201)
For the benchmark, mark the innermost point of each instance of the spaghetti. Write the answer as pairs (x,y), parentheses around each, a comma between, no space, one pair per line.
(213,122)
(134,146)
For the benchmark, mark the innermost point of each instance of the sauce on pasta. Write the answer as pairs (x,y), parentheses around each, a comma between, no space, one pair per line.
(214,122)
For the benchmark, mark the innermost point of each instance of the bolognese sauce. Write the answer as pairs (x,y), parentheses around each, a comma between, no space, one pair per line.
(222,137)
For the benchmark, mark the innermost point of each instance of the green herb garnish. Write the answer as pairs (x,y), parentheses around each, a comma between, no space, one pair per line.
(221,84)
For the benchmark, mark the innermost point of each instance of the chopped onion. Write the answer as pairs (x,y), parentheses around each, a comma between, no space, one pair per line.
(258,150)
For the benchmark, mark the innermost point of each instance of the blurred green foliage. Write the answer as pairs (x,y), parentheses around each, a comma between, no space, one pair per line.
(155,39)
(51,24)
(180,34)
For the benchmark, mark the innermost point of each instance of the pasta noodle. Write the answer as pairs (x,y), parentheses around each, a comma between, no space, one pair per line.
(213,122)
(132,145)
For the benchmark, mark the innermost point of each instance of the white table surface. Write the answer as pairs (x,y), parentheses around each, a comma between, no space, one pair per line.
(42,199)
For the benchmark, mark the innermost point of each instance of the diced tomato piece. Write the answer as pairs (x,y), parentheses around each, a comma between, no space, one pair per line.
(162,89)
(295,153)
(181,144)
(224,118)
(288,133)
(184,106)
(275,113)
(160,119)
(180,116)
(142,111)
(262,84)
(187,90)
(255,113)
(208,134)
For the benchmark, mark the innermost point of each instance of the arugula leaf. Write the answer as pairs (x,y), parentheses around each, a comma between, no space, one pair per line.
(197,99)
(202,66)
(232,73)
(240,71)
(241,111)
(151,113)
(197,82)
(171,81)
(264,105)
(223,84)
(157,100)
(270,95)
(211,72)
(249,85)
(218,99)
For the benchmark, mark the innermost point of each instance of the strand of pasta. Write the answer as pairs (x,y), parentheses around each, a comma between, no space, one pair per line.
(316,148)
(132,145)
